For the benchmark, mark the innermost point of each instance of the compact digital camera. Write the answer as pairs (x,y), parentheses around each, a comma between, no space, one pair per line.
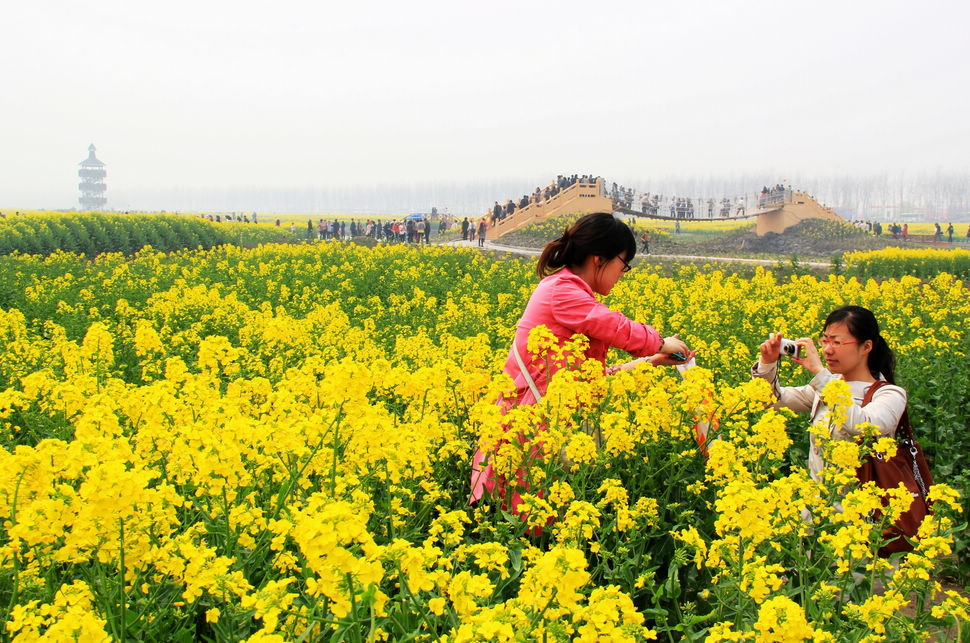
(790,348)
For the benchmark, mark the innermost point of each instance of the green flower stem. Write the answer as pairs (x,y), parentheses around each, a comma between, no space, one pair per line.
(123,597)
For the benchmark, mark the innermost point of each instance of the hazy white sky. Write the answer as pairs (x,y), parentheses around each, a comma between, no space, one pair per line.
(195,95)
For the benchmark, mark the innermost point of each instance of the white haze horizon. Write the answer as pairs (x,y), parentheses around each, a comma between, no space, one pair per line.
(931,196)
(385,107)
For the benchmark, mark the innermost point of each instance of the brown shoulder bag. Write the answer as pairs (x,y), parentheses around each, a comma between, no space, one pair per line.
(907,466)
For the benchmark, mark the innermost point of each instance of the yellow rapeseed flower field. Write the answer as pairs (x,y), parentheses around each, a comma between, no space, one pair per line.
(274,444)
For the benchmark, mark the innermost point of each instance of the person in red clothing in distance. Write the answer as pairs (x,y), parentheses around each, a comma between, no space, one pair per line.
(587,260)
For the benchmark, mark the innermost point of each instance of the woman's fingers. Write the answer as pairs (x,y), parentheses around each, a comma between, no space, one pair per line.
(771,349)
(674,344)
(810,359)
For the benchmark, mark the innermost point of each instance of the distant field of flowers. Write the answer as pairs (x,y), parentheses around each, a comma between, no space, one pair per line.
(274,444)
(899,262)
(93,233)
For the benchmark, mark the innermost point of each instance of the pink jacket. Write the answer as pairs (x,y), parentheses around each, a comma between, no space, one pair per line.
(565,304)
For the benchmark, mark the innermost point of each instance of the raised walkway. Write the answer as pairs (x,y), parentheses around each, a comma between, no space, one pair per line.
(774,212)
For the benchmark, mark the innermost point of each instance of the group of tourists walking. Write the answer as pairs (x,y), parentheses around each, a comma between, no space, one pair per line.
(470,231)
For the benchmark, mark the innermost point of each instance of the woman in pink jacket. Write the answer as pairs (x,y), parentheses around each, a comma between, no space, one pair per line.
(588,259)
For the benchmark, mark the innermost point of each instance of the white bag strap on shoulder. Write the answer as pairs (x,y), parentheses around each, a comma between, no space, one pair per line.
(525,372)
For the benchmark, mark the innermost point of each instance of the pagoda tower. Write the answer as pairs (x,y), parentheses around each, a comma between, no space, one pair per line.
(92,184)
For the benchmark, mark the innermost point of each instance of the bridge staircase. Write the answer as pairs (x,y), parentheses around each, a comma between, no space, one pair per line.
(579,198)
(796,207)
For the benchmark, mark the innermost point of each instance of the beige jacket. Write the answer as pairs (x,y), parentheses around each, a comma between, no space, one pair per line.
(883,411)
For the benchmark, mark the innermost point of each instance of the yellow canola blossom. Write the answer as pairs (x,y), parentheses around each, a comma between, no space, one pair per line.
(70,617)
(341,552)
(277,441)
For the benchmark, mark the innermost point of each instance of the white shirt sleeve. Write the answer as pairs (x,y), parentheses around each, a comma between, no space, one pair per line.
(883,411)
(796,398)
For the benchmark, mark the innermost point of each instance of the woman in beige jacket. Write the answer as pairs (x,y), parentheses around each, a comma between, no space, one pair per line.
(854,351)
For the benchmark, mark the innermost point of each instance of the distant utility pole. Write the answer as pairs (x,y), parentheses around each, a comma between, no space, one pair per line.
(92,184)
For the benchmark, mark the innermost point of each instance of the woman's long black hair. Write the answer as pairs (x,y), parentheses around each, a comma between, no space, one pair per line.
(599,234)
(862,325)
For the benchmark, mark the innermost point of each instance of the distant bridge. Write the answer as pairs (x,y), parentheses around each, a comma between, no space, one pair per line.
(655,214)
(774,212)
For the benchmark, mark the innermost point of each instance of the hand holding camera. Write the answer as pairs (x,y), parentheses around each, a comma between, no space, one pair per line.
(673,352)
(801,351)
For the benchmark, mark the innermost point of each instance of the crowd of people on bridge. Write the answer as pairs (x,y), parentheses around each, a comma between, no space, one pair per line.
(776,195)
(622,196)
(657,205)
(677,207)
(683,208)
(499,212)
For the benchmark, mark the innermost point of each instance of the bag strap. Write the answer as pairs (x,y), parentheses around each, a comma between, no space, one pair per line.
(525,372)
(904,428)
